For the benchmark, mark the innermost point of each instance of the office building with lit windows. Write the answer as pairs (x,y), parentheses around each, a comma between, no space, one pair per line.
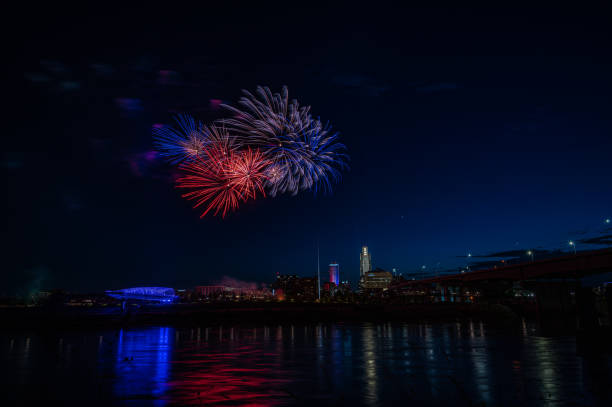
(377,280)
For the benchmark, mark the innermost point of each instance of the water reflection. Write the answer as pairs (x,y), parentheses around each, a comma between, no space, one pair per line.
(481,369)
(369,363)
(466,363)
(236,368)
(142,364)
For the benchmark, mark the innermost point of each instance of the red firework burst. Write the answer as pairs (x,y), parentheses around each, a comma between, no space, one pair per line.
(246,170)
(223,179)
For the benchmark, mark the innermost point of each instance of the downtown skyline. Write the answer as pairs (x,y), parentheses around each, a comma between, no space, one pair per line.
(459,142)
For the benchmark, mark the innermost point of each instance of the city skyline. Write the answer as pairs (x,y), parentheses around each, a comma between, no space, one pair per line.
(464,143)
(186,190)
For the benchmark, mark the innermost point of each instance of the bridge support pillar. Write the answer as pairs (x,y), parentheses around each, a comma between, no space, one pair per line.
(556,306)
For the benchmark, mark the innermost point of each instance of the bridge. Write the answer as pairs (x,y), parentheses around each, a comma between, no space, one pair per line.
(575,266)
(553,287)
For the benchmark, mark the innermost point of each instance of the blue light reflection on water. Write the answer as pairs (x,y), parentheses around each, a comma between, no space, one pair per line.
(322,364)
(142,363)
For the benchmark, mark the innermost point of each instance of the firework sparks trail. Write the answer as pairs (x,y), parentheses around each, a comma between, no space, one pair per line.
(269,143)
(183,144)
(246,172)
(304,153)
(224,179)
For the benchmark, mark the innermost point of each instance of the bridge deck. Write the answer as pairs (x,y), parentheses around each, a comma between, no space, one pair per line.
(573,266)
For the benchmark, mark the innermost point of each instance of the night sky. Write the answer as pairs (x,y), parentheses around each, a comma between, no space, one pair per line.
(483,131)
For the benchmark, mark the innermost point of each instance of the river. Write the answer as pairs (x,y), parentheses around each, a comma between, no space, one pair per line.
(427,364)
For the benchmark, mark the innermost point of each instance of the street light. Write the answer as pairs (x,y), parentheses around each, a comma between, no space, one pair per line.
(607,221)
(530,254)
(573,245)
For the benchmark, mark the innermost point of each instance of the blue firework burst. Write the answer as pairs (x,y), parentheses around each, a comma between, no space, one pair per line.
(184,143)
(304,154)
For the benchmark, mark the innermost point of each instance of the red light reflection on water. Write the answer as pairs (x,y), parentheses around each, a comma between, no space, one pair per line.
(243,377)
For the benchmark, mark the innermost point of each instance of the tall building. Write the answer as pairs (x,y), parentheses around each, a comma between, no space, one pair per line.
(334,273)
(365,262)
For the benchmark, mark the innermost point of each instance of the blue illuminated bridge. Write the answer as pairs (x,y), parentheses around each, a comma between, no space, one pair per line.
(155,294)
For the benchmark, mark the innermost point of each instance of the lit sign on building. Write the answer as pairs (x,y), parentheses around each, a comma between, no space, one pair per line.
(334,273)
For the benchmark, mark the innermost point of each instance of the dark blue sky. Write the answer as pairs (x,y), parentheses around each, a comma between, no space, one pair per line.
(469,130)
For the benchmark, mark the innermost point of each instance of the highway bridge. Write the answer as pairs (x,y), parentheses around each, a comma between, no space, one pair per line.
(555,287)
(575,266)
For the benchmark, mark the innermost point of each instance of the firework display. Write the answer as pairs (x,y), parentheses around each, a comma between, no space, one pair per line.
(304,152)
(183,144)
(269,144)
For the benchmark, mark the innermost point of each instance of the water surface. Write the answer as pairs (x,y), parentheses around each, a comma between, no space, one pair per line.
(461,364)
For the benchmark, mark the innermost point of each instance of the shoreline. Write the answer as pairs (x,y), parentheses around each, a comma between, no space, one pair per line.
(190,314)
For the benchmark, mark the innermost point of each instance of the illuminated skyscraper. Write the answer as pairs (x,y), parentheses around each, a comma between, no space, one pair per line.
(334,273)
(365,262)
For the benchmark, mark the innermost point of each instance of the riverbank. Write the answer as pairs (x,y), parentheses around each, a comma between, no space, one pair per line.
(189,314)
